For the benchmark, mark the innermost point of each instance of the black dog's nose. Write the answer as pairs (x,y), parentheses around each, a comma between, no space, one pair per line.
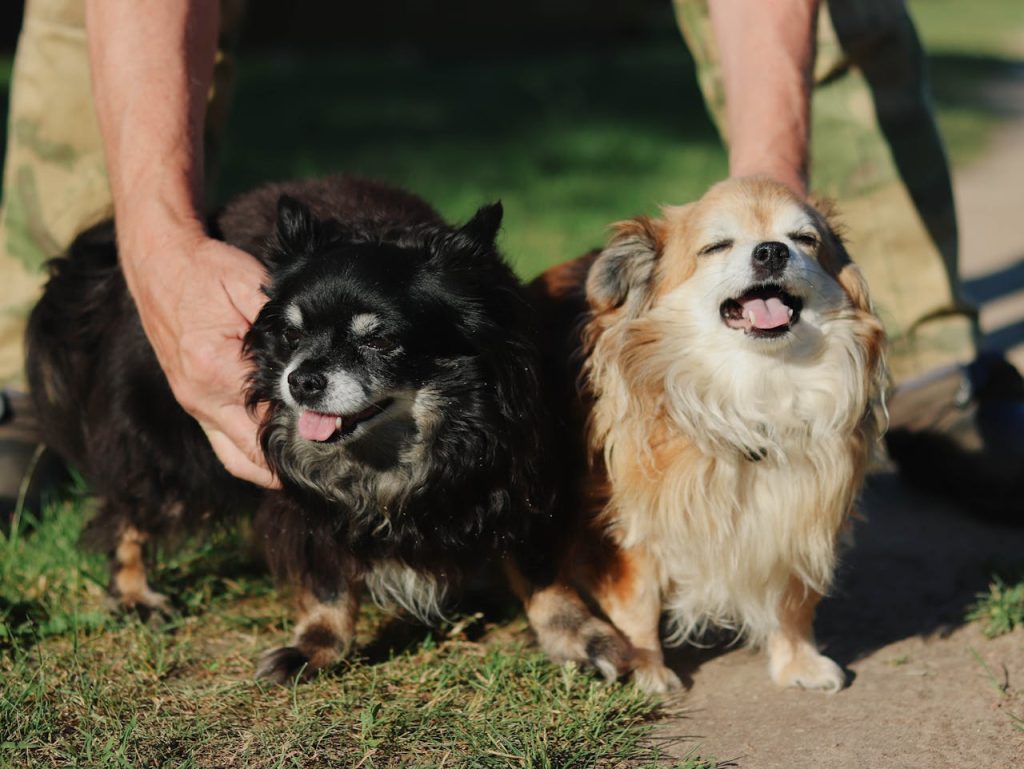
(303,384)
(770,258)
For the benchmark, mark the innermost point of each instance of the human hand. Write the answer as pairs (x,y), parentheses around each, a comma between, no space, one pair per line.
(197,298)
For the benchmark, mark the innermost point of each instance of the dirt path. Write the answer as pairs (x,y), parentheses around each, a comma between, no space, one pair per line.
(926,690)
(919,698)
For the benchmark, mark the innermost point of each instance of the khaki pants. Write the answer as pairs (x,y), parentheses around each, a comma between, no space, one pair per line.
(55,182)
(875,150)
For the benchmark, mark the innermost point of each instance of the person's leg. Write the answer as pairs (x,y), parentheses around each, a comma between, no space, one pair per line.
(875,149)
(55,182)
(54,186)
(954,428)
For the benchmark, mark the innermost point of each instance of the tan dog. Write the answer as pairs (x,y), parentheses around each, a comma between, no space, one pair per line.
(732,375)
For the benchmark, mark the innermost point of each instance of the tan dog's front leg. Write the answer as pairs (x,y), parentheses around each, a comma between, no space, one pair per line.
(793,657)
(567,629)
(630,594)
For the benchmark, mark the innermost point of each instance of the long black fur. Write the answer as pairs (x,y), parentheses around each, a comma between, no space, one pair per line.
(104,405)
(482,486)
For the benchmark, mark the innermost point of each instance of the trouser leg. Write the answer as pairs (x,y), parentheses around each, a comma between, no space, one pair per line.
(55,181)
(875,149)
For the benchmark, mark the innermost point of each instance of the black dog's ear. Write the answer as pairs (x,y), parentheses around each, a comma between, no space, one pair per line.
(624,270)
(483,227)
(297,229)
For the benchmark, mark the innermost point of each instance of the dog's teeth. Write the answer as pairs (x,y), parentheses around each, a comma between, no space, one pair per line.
(790,311)
(337,423)
(750,316)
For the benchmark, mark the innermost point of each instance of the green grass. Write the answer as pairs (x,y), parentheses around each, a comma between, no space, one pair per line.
(991,27)
(969,46)
(1001,609)
(568,141)
(82,686)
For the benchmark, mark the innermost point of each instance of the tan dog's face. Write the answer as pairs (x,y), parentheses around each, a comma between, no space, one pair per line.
(732,364)
(749,265)
(757,272)
(740,315)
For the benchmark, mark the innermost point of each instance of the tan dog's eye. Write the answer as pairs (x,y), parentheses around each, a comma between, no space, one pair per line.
(805,239)
(715,247)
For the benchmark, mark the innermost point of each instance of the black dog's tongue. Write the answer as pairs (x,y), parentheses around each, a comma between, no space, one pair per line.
(318,426)
(314,426)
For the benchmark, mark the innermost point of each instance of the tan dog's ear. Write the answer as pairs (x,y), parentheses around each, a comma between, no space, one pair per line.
(856,287)
(836,259)
(833,256)
(624,270)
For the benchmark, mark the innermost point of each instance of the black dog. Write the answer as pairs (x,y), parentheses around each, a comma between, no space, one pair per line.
(399,362)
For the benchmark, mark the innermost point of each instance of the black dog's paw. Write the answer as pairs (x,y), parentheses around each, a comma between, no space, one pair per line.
(150,607)
(284,665)
(159,614)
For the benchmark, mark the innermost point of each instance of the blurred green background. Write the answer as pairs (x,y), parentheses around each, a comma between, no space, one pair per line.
(574,114)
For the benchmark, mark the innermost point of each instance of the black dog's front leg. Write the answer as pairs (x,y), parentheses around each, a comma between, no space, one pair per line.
(323,635)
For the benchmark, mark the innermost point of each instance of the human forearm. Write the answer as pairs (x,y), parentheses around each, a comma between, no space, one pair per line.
(766,48)
(152,62)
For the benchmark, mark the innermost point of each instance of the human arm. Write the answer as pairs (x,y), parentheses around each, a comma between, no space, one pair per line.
(152,63)
(766,49)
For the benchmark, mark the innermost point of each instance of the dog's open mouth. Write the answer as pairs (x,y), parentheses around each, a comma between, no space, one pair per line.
(318,426)
(763,311)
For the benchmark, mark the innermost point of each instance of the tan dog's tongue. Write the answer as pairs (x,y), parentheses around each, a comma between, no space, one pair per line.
(314,426)
(763,313)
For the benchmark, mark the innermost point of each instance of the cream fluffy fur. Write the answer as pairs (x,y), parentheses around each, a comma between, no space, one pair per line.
(685,403)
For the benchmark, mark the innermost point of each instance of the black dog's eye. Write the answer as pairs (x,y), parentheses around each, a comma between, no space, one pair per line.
(714,248)
(805,239)
(378,344)
(292,337)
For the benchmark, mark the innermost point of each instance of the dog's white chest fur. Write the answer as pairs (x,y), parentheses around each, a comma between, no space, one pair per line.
(761,490)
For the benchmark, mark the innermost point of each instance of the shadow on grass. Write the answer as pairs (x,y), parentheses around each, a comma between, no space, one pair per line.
(474,615)
(504,118)
(973,93)
(966,81)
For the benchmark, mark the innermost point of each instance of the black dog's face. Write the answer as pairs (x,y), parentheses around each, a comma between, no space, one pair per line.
(367,341)
(351,357)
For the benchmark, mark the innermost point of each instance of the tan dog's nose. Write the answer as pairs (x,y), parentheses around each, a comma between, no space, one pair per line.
(769,258)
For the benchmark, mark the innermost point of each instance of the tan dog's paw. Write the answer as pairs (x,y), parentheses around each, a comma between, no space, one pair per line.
(807,669)
(654,678)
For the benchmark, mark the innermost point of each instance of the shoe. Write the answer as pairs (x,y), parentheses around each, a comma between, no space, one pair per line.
(30,474)
(959,432)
